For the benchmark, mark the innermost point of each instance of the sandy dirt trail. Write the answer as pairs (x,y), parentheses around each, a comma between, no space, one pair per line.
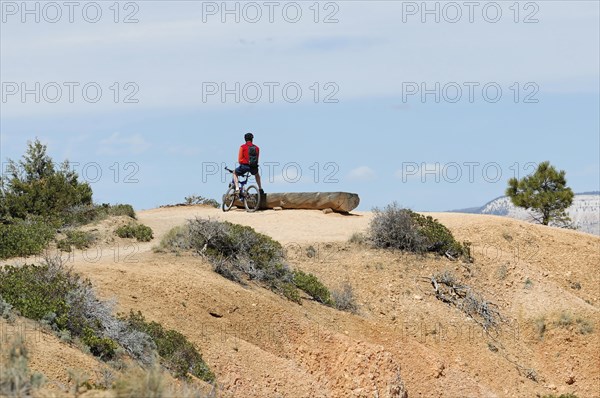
(286,226)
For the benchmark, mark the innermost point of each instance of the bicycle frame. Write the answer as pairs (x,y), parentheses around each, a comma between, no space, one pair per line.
(241,183)
(243,195)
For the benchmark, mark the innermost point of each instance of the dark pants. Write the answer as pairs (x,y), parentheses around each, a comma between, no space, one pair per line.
(244,168)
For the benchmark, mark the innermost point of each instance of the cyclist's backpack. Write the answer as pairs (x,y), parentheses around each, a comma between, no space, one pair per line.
(252,156)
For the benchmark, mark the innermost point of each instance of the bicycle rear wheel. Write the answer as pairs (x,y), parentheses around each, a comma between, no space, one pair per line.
(228,199)
(252,198)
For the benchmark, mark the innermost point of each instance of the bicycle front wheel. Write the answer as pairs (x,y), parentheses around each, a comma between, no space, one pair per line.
(252,198)
(228,199)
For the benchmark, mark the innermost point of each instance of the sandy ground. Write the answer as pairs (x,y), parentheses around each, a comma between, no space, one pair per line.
(261,345)
(286,226)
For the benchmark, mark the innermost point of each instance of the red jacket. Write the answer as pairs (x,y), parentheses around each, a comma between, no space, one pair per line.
(243,157)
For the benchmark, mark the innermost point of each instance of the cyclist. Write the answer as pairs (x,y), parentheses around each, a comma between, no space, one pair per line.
(248,160)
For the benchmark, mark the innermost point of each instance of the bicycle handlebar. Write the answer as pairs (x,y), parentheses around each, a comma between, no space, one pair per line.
(229,170)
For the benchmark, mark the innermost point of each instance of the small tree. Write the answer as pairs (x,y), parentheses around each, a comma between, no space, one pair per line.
(35,186)
(545,192)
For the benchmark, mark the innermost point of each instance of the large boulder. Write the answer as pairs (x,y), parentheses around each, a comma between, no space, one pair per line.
(338,201)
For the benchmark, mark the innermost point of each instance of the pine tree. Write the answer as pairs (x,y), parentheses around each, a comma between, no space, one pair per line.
(34,186)
(545,192)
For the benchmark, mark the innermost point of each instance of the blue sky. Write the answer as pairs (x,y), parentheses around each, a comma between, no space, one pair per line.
(367,132)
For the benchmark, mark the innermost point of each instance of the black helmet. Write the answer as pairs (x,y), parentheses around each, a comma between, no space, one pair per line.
(248,136)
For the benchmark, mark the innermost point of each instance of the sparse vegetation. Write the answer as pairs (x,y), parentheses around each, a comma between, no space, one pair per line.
(201,200)
(55,295)
(531,374)
(16,380)
(79,381)
(344,298)
(565,319)
(179,354)
(86,214)
(119,210)
(449,290)
(402,229)
(585,327)
(6,310)
(37,197)
(151,383)
(139,383)
(141,232)
(568,395)
(502,272)
(358,238)
(239,253)
(311,252)
(175,241)
(539,325)
(528,283)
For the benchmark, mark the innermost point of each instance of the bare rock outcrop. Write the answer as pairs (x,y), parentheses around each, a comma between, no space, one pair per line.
(343,202)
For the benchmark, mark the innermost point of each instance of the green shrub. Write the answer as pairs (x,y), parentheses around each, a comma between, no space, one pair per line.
(56,296)
(311,285)
(179,354)
(176,240)
(144,233)
(290,291)
(24,237)
(122,210)
(82,214)
(140,232)
(403,229)
(439,239)
(102,347)
(201,200)
(36,291)
(238,252)
(86,214)
(78,239)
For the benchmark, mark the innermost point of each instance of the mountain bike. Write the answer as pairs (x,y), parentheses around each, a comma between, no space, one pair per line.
(250,195)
